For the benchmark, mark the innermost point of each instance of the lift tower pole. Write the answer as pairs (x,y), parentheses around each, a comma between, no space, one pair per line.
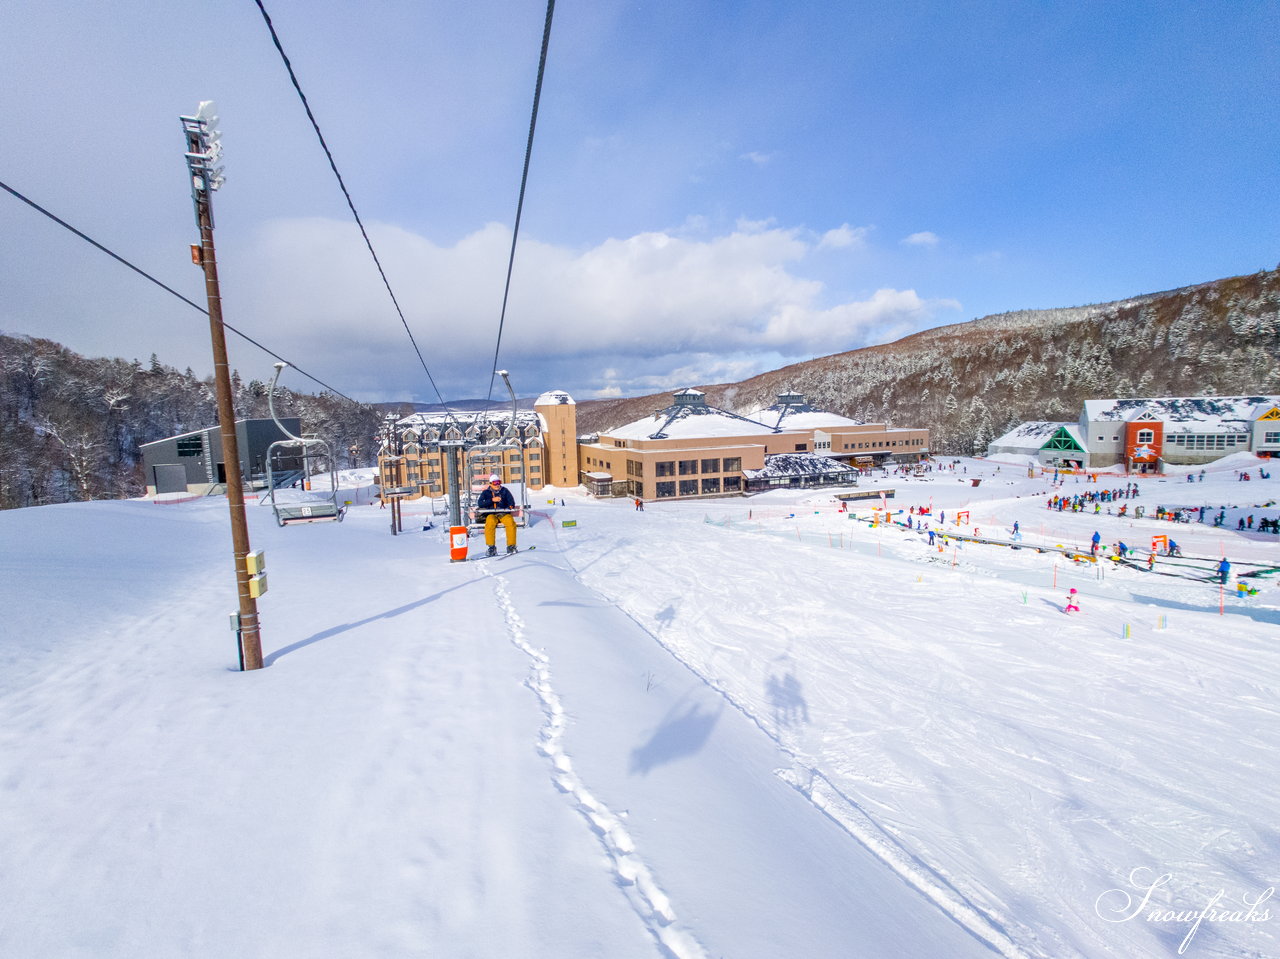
(455,481)
(203,152)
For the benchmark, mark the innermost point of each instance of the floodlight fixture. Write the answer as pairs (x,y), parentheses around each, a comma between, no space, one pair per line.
(204,149)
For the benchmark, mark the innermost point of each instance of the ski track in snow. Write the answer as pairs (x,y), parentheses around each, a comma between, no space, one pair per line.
(852,819)
(855,821)
(634,877)
(876,733)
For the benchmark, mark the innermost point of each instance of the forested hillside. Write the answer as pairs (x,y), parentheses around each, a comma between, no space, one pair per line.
(70,427)
(970,382)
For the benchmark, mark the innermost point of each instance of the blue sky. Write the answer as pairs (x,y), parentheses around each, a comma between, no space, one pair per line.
(716,189)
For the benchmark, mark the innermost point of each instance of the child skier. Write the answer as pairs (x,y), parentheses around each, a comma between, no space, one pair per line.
(1072,605)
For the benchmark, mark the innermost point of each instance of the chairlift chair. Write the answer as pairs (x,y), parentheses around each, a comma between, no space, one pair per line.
(480,462)
(314,510)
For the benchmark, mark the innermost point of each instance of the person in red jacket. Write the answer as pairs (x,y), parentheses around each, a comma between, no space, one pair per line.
(497,504)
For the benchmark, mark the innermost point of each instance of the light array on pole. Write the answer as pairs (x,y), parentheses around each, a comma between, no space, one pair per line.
(204,150)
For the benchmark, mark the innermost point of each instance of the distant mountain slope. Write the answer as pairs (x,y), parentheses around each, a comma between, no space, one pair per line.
(405,408)
(71,426)
(970,382)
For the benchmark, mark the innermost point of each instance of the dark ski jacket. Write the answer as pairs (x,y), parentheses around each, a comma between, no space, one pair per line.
(504,499)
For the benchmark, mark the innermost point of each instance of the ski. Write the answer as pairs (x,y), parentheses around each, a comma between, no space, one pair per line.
(526,549)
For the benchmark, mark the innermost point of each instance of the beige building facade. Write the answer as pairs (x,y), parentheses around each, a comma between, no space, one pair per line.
(691,449)
(687,450)
(663,469)
(559,420)
(542,450)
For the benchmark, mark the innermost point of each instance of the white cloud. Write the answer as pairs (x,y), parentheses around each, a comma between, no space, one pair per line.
(656,306)
(924,238)
(669,372)
(799,329)
(694,225)
(844,236)
(754,226)
(759,159)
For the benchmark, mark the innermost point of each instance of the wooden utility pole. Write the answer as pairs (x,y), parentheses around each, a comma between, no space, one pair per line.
(202,152)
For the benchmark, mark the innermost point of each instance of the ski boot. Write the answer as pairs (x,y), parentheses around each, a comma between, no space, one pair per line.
(511,549)
(491,551)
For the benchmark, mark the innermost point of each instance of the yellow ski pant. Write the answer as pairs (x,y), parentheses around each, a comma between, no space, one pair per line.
(491,528)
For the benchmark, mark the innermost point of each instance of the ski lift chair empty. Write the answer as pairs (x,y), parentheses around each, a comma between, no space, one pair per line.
(306,508)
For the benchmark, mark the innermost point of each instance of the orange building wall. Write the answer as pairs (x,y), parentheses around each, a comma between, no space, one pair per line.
(1131,431)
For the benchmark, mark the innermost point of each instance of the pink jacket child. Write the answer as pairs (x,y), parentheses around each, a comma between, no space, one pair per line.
(1072,607)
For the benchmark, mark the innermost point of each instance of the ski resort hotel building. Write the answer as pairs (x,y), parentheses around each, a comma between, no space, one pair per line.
(688,449)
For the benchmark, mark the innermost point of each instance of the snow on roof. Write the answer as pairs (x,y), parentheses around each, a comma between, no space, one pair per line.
(798,464)
(554,398)
(690,421)
(803,417)
(1185,414)
(465,418)
(1035,434)
(1206,426)
(214,426)
(791,412)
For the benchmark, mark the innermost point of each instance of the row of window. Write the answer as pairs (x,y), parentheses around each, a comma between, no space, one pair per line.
(882,444)
(703,487)
(412,450)
(635,468)
(434,478)
(1201,441)
(484,472)
(730,464)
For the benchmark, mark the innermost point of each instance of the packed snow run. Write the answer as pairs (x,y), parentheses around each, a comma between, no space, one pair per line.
(778,726)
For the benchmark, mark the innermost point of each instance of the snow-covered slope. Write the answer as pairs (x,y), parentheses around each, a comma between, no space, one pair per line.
(779,733)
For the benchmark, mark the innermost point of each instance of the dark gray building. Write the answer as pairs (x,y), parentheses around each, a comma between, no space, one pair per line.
(193,462)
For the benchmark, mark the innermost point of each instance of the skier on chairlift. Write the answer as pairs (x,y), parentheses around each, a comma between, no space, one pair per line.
(496,504)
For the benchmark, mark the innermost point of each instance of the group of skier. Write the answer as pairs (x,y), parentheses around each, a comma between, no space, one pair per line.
(1078,502)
